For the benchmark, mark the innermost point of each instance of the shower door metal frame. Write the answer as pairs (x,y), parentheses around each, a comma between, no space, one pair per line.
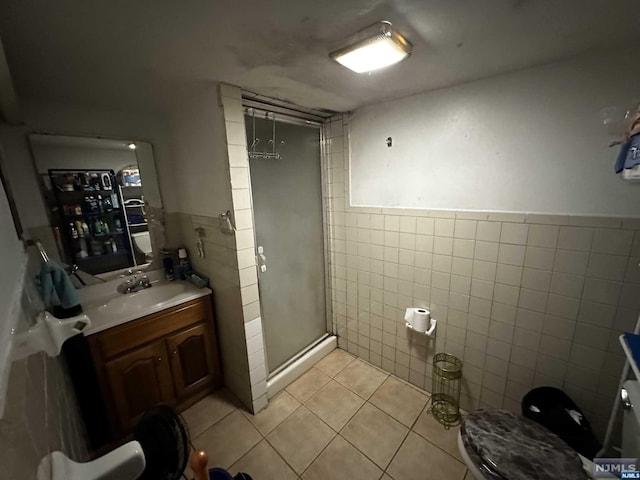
(293,117)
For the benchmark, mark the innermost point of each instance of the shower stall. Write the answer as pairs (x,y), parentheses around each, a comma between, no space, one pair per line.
(285,164)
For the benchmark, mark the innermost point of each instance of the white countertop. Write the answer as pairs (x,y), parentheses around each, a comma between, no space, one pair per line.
(107,308)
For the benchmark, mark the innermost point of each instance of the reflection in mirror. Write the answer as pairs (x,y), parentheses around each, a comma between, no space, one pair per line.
(102,199)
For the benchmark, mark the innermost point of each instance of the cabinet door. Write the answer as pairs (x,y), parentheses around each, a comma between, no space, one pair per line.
(193,359)
(140,380)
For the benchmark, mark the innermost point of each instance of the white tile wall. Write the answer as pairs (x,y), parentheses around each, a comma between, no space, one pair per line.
(245,241)
(524,299)
(230,263)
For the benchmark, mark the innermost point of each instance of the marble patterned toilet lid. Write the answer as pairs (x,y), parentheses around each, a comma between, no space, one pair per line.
(504,445)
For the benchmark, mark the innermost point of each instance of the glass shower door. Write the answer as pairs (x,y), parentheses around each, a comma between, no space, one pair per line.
(287,205)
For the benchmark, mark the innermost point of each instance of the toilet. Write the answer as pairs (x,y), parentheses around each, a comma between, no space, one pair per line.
(498,445)
(142,242)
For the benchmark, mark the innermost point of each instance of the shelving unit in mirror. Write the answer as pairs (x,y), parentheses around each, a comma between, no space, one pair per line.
(90,217)
(134,211)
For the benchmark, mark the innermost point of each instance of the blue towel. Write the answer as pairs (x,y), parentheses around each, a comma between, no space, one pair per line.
(629,155)
(54,280)
(222,474)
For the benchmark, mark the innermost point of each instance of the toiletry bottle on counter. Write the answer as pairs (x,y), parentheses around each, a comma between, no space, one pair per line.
(185,264)
(169,274)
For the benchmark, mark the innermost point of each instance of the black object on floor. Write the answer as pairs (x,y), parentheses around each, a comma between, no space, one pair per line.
(554,409)
(165,442)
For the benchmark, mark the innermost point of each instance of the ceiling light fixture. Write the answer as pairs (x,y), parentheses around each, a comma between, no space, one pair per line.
(132,146)
(373,48)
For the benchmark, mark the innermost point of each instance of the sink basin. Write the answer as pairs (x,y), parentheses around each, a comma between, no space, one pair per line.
(113,308)
(158,294)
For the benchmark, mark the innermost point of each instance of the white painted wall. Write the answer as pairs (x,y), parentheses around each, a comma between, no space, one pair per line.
(529,141)
(65,119)
(13,261)
(199,148)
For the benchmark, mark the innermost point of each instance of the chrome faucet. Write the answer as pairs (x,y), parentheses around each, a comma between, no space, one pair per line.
(134,285)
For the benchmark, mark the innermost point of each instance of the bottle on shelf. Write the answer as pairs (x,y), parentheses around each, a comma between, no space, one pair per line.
(82,253)
(72,230)
(96,247)
(106,204)
(78,225)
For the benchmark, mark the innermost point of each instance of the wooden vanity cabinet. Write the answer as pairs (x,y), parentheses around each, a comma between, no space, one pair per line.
(191,357)
(138,381)
(170,357)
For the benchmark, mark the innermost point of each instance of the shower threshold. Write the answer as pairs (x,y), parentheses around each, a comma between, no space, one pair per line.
(286,374)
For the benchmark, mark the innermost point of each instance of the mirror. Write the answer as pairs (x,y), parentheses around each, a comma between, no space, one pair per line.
(103,201)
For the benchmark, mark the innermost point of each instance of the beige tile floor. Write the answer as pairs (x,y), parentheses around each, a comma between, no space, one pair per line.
(343,419)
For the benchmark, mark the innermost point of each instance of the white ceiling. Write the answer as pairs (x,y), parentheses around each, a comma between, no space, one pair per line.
(145,54)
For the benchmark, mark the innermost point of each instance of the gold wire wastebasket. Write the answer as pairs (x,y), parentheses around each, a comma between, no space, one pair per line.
(445,392)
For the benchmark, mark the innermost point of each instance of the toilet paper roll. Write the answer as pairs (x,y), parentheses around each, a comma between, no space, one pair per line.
(418,318)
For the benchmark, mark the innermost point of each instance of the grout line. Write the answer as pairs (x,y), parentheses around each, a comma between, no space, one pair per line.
(338,432)
(281,457)
(212,425)
(363,453)
(424,410)
(410,429)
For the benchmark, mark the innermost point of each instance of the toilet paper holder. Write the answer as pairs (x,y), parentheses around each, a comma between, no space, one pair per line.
(410,321)
(429,333)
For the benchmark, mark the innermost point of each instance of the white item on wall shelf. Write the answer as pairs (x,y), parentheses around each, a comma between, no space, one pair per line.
(631,174)
(124,463)
(47,335)
(419,320)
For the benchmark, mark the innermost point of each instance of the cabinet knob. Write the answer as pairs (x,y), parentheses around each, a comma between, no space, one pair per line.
(159,359)
(174,353)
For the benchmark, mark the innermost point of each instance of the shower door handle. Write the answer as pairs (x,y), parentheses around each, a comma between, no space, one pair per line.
(262,260)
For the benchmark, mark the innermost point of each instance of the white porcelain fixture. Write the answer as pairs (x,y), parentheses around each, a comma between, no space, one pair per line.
(107,308)
(300,365)
(142,241)
(124,463)
(47,335)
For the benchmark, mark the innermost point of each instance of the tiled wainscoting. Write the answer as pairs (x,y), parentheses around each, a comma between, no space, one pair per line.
(524,299)
(241,348)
